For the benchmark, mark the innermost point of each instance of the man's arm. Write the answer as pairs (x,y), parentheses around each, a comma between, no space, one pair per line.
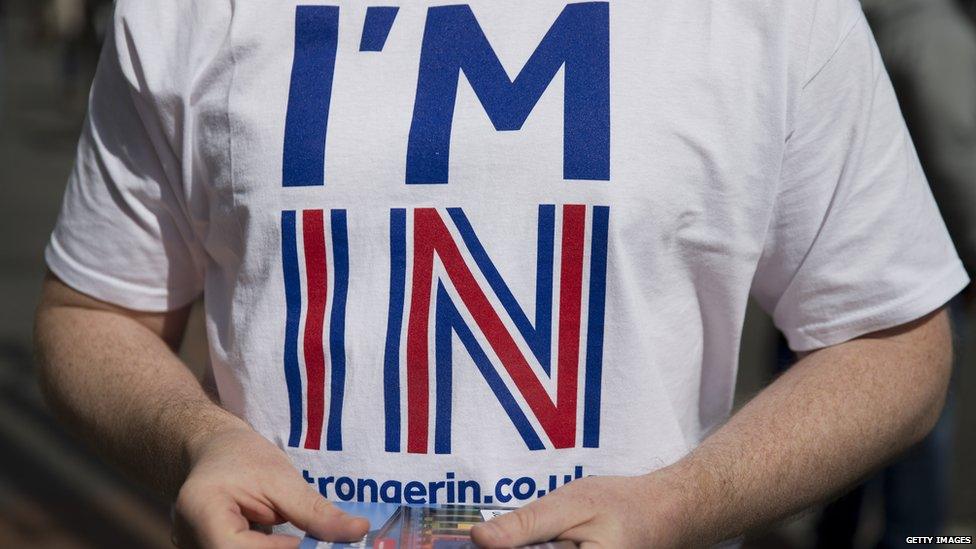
(836,415)
(111,374)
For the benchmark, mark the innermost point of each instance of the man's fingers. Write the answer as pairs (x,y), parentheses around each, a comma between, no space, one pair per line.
(205,522)
(257,511)
(248,539)
(241,540)
(540,521)
(302,506)
(258,540)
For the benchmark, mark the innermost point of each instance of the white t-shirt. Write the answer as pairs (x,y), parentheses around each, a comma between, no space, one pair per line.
(465,252)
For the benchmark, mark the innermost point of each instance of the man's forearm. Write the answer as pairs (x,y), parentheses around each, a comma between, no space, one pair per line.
(112,374)
(827,422)
(837,414)
(119,384)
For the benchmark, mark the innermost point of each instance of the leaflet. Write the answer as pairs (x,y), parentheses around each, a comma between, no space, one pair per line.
(420,527)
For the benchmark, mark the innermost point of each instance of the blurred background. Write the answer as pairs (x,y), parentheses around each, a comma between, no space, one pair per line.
(54,492)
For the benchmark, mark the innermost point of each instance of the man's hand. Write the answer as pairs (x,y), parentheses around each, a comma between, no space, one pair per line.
(595,512)
(836,415)
(111,373)
(237,479)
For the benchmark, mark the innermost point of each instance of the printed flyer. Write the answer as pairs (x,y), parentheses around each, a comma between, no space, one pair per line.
(419,527)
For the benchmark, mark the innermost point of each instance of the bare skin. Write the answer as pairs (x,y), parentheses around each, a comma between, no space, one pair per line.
(840,412)
(111,374)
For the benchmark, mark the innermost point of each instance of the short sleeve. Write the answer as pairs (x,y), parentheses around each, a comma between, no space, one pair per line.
(931,57)
(856,243)
(123,234)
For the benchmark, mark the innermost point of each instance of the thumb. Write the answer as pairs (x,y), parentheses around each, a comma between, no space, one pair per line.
(540,521)
(302,506)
